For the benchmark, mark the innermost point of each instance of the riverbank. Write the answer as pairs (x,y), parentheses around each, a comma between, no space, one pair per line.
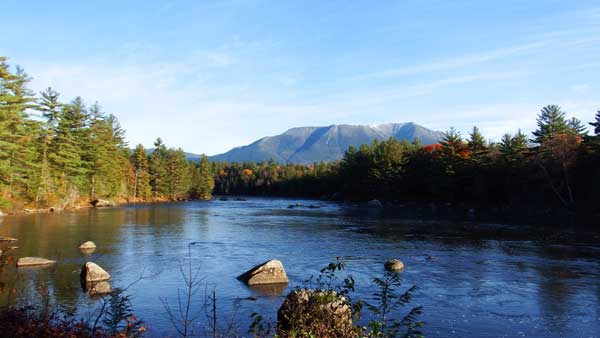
(88,203)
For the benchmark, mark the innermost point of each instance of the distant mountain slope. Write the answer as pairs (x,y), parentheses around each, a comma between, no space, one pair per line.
(314,144)
(189,156)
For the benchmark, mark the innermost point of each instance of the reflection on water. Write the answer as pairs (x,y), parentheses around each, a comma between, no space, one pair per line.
(471,283)
(96,289)
(269,289)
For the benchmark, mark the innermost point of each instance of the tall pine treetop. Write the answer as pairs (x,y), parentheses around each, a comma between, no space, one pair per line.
(596,124)
(576,127)
(551,121)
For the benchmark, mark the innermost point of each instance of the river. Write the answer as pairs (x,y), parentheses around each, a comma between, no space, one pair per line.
(469,286)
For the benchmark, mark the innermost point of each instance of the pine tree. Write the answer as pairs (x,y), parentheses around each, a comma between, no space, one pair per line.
(107,155)
(66,155)
(50,107)
(576,127)
(452,143)
(513,148)
(17,133)
(177,178)
(141,184)
(203,181)
(157,168)
(476,144)
(551,122)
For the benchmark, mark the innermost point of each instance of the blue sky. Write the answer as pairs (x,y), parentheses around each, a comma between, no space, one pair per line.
(210,75)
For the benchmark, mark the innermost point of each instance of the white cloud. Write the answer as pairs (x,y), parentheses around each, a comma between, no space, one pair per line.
(452,63)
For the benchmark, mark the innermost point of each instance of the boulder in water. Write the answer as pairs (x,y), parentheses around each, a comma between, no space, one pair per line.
(325,312)
(87,245)
(99,203)
(394,265)
(34,261)
(93,273)
(269,272)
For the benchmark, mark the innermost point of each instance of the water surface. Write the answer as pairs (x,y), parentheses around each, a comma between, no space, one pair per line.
(475,286)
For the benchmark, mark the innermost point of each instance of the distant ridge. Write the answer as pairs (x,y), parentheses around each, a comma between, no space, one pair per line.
(189,156)
(315,144)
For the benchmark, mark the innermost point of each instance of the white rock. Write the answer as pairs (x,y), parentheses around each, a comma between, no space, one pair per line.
(87,245)
(269,272)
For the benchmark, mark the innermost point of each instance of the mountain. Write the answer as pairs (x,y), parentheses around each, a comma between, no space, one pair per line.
(189,156)
(314,144)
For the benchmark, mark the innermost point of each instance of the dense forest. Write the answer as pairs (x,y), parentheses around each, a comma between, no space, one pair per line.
(558,167)
(63,154)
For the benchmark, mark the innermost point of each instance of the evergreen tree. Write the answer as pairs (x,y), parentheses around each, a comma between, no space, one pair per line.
(452,144)
(203,181)
(551,122)
(66,155)
(158,169)
(476,143)
(107,154)
(595,140)
(576,127)
(513,148)
(139,160)
(50,107)
(17,133)
(177,178)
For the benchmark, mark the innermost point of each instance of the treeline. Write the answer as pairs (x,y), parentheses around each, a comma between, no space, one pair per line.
(60,154)
(559,166)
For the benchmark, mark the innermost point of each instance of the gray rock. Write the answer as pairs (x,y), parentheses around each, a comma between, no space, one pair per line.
(269,272)
(93,273)
(34,261)
(322,311)
(394,265)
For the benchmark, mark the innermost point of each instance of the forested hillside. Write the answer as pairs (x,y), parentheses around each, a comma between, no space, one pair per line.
(56,153)
(558,168)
